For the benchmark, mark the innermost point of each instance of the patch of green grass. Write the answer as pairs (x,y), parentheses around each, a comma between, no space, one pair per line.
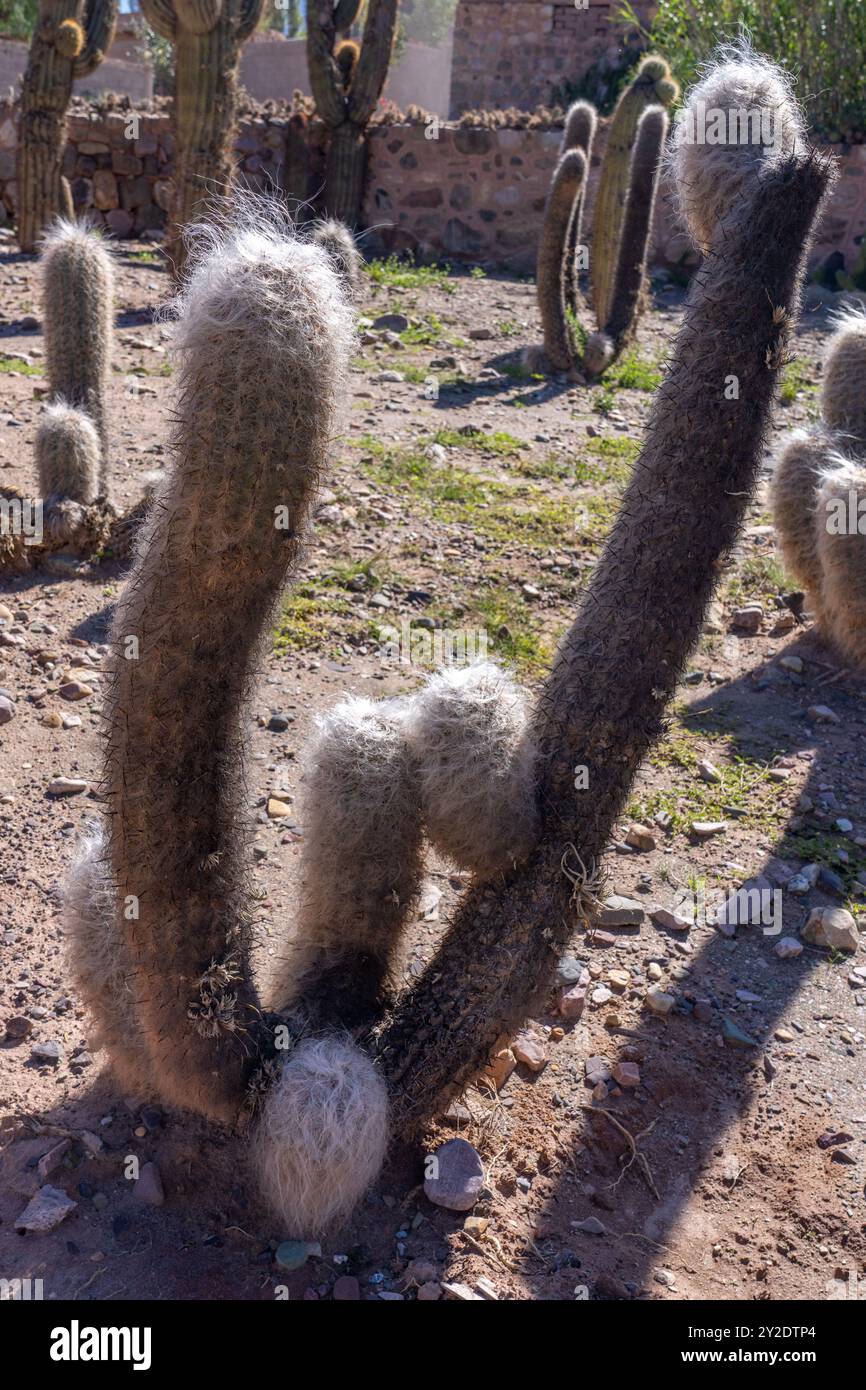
(404,275)
(500,443)
(513,630)
(10,363)
(313,620)
(144,257)
(633,373)
(758,575)
(478,273)
(794,381)
(424,334)
(509,328)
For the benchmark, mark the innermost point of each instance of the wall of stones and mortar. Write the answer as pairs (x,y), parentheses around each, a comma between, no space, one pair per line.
(517,52)
(470,194)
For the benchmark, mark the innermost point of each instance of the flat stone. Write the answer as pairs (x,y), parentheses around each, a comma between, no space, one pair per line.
(788,948)
(626,1074)
(75,690)
(46,1052)
(670,920)
(734,1035)
(45,1210)
(529,1050)
(572,1002)
(658,1002)
(705,828)
(618,911)
(459,1176)
(347,1289)
(149,1187)
(396,323)
(67,786)
(278,808)
(596,1070)
(823,714)
(640,837)
(590,1226)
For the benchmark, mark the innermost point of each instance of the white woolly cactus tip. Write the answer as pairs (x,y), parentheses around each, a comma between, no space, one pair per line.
(251,244)
(741,114)
(322,1136)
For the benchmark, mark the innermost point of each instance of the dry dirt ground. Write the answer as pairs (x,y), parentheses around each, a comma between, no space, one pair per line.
(493,531)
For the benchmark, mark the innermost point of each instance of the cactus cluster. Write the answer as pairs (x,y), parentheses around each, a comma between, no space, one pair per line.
(264,334)
(70,40)
(819,496)
(622,222)
(207,36)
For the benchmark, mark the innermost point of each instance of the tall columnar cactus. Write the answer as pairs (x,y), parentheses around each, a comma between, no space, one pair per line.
(263,340)
(622,224)
(603,704)
(566,185)
(818,490)
(346,92)
(70,40)
(77,273)
(207,36)
(652,85)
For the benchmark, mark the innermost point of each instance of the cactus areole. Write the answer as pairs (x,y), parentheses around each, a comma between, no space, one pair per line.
(70,40)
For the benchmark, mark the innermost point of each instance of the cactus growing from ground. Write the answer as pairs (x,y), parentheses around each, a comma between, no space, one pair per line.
(335,238)
(569,177)
(77,273)
(622,224)
(603,704)
(652,85)
(263,338)
(818,485)
(207,36)
(346,90)
(70,40)
(67,454)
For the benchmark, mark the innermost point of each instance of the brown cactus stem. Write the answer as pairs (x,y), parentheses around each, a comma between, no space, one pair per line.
(54,61)
(629,287)
(603,704)
(565,191)
(579,134)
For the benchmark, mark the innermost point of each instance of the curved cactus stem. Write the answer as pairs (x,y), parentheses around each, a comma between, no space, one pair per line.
(579,134)
(603,703)
(161,16)
(565,190)
(99,22)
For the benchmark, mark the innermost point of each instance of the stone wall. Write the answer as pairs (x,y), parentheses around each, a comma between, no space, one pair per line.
(123,70)
(518,52)
(445,191)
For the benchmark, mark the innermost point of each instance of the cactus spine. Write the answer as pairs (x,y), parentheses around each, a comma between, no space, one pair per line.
(652,84)
(78,308)
(602,706)
(346,89)
(70,40)
(207,36)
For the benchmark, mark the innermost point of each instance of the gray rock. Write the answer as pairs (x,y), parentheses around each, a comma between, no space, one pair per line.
(46,1052)
(396,323)
(7,710)
(458,1176)
(620,912)
(833,927)
(149,1187)
(590,1226)
(45,1210)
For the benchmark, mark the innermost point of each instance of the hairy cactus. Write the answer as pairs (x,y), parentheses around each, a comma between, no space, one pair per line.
(263,339)
(651,85)
(335,238)
(67,454)
(629,283)
(78,307)
(467,730)
(841,550)
(843,394)
(603,705)
(70,40)
(568,180)
(207,36)
(346,86)
(362,868)
(818,485)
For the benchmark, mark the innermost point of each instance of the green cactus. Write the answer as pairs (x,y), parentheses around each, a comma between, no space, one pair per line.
(566,186)
(578,134)
(70,40)
(207,36)
(652,84)
(629,284)
(346,87)
(77,273)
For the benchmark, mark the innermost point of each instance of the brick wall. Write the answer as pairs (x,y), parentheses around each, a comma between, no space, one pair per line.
(518,52)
